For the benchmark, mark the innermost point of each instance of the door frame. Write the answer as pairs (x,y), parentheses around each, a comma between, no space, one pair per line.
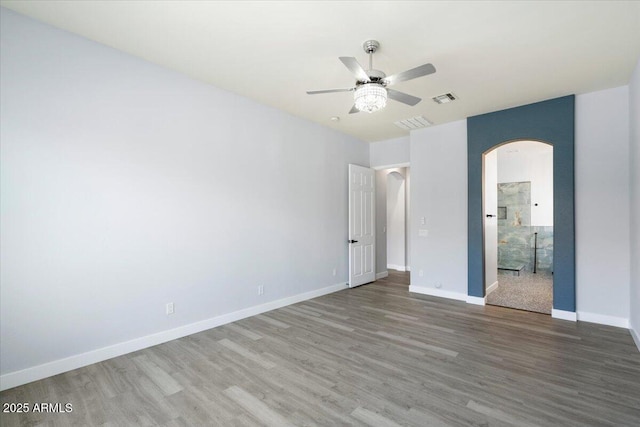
(551,122)
(381,237)
(404,265)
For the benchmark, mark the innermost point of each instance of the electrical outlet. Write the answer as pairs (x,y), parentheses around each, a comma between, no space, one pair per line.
(438,285)
(421,273)
(261,290)
(170,308)
(334,271)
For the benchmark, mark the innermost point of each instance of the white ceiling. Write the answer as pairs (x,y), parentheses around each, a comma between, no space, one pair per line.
(492,55)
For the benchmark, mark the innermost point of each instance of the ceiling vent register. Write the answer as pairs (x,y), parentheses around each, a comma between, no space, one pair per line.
(443,99)
(418,122)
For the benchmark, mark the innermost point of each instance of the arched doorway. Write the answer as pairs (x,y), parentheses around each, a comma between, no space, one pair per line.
(550,121)
(396,224)
(518,225)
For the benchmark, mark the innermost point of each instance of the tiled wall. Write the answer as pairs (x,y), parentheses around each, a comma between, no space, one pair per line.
(515,233)
(545,247)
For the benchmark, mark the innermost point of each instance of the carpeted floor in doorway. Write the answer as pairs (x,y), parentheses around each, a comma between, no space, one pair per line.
(531,292)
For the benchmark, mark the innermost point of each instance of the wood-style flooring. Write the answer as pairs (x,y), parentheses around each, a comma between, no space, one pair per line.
(375,355)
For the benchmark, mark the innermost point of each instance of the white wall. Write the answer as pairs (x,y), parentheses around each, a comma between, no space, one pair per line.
(126,186)
(407,219)
(530,161)
(396,217)
(490,207)
(634,167)
(439,195)
(391,152)
(602,205)
(381,223)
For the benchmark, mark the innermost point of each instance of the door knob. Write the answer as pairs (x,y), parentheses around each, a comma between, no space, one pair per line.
(490,216)
(353,241)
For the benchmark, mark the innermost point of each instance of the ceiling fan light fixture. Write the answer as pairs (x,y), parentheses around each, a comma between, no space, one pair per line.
(370,97)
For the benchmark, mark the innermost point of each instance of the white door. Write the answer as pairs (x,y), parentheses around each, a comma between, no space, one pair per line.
(362,238)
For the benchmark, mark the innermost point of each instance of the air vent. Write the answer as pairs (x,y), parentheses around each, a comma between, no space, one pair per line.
(414,123)
(443,99)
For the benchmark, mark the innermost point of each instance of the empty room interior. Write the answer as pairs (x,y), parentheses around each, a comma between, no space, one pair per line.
(279,213)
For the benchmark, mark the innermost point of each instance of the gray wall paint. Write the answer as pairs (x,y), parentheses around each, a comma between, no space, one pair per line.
(381,221)
(407,198)
(396,218)
(634,168)
(602,202)
(390,152)
(439,194)
(126,186)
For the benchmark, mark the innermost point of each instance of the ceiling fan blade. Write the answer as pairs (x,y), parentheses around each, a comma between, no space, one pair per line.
(354,110)
(405,98)
(316,92)
(413,73)
(354,66)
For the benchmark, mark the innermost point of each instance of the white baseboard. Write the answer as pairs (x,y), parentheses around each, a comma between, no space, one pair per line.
(476,300)
(602,319)
(34,373)
(636,337)
(437,292)
(564,315)
(397,267)
(492,287)
(382,275)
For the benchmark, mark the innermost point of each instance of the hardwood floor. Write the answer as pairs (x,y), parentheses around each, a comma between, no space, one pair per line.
(374,355)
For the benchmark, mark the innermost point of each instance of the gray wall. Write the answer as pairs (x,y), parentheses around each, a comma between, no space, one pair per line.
(126,186)
(391,152)
(381,222)
(439,194)
(407,219)
(634,167)
(602,203)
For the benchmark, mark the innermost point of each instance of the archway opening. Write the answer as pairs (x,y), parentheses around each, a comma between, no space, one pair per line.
(396,222)
(552,121)
(518,225)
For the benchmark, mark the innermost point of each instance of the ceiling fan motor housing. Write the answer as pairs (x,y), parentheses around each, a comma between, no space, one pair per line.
(376,76)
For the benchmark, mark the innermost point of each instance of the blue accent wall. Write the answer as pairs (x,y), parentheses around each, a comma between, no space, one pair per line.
(548,121)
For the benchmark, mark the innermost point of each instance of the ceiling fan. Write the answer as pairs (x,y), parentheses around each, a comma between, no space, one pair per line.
(371,90)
